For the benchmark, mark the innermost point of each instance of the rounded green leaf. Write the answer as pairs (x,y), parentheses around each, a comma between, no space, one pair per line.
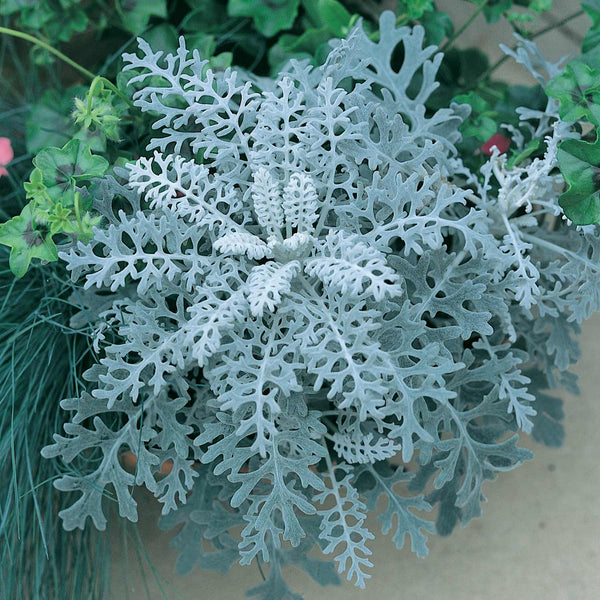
(579,163)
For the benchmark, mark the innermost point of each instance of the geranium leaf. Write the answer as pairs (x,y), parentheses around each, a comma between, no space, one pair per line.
(63,168)
(270,17)
(27,241)
(580,165)
(577,90)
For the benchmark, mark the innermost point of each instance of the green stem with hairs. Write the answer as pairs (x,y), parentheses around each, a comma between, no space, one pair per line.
(49,48)
(63,57)
(98,79)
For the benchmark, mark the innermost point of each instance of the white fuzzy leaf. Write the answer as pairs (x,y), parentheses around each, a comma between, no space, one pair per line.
(267,283)
(342,526)
(348,265)
(364,449)
(241,243)
(300,203)
(267,201)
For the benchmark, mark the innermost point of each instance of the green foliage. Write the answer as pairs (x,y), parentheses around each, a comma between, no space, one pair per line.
(136,14)
(269,16)
(438,25)
(77,132)
(414,9)
(579,163)
(59,204)
(59,171)
(334,16)
(49,123)
(27,240)
(99,114)
(481,123)
(592,37)
(519,12)
(323,20)
(60,20)
(577,91)
(55,20)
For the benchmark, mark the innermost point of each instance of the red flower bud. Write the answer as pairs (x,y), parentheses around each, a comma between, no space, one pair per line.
(500,141)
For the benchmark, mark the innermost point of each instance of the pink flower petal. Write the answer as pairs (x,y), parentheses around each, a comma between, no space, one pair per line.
(6,152)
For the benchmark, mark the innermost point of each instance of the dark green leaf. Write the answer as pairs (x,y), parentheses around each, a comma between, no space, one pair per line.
(335,17)
(162,37)
(592,8)
(438,25)
(591,41)
(494,9)
(270,16)
(48,122)
(414,9)
(205,16)
(481,123)
(533,146)
(136,14)
(293,46)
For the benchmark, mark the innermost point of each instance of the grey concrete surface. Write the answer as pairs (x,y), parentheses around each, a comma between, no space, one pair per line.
(539,537)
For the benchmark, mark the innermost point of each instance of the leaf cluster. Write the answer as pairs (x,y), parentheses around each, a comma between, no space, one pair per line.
(312,296)
(308,306)
(578,96)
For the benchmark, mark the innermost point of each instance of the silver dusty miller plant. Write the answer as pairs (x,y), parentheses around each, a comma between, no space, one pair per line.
(304,302)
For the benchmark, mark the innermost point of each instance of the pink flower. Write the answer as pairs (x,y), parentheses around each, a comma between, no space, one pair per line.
(6,154)
(500,141)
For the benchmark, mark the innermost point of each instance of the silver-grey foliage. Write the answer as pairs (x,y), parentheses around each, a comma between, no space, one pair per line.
(309,292)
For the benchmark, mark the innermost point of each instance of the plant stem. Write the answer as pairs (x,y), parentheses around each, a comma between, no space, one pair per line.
(94,78)
(470,20)
(99,79)
(260,570)
(45,46)
(558,24)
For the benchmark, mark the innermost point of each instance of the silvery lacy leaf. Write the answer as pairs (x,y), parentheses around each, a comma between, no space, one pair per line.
(342,525)
(143,248)
(150,442)
(299,281)
(266,199)
(190,190)
(366,449)
(340,351)
(205,521)
(270,484)
(475,446)
(347,265)
(323,572)
(182,75)
(267,283)
(255,372)
(399,509)
(300,204)
(243,243)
